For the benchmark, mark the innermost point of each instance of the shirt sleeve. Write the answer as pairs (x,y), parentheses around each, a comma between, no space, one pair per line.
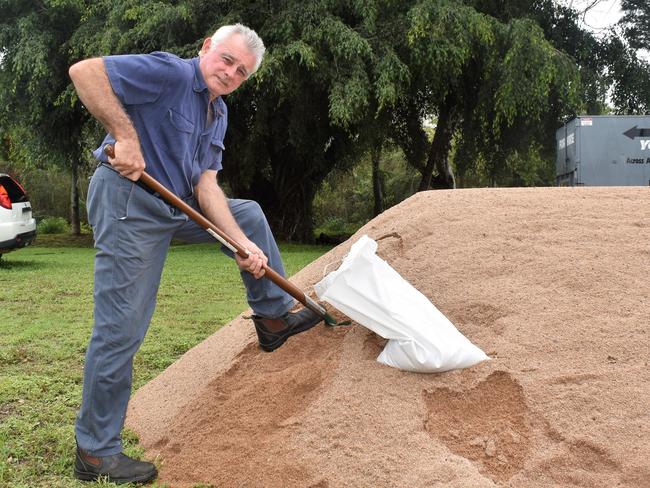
(138,78)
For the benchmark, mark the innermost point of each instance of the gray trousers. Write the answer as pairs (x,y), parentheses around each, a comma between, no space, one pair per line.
(133,230)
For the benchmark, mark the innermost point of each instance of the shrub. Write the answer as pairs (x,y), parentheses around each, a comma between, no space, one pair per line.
(53,225)
(345,201)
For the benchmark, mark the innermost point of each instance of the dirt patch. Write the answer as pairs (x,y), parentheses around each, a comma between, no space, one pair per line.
(251,410)
(6,410)
(488,424)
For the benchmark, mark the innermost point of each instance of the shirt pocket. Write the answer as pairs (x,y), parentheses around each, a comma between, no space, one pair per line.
(176,133)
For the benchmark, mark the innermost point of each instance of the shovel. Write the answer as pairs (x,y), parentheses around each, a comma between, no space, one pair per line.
(227,241)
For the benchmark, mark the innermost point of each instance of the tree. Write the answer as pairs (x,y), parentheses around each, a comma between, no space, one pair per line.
(636,22)
(628,76)
(36,114)
(486,75)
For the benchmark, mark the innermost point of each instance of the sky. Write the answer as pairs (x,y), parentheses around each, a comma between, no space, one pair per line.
(601,16)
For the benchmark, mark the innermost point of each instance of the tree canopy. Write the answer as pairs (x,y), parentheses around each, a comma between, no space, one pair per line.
(341,78)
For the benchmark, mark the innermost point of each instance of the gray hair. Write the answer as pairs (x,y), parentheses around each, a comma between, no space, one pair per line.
(253,41)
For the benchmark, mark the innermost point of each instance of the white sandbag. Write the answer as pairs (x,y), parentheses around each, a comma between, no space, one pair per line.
(420,338)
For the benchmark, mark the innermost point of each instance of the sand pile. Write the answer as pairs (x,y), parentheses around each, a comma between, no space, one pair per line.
(552,283)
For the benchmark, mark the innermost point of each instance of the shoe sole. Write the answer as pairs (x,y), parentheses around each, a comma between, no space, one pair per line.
(88,476)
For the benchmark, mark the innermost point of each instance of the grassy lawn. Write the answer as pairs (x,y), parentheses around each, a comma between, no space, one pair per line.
(45,321)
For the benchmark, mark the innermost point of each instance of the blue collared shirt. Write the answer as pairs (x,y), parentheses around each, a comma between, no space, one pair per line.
(167,100)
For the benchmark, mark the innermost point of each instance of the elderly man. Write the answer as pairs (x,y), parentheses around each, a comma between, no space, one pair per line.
(167,114)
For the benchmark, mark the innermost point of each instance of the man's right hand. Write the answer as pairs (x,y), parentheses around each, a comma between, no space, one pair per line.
(128,160)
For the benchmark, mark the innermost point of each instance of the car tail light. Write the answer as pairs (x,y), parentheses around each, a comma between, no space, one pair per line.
(5,201)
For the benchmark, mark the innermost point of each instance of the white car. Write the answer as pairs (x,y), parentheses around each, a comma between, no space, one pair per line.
(17,226)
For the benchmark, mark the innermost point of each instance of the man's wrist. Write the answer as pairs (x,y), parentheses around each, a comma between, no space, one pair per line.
(126,136)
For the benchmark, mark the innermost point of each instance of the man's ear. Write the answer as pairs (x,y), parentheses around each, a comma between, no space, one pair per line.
(207,42)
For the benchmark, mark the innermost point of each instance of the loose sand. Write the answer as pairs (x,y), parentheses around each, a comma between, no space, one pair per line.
(552,283)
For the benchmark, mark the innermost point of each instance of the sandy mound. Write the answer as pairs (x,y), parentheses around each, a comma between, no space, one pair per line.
(552,283)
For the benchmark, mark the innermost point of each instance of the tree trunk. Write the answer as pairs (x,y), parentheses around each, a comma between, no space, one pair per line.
(293,218)
(439,152)
(74,199)
(290,212)
(377,180)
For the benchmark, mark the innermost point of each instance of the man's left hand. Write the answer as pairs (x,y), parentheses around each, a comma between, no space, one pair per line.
(256,261)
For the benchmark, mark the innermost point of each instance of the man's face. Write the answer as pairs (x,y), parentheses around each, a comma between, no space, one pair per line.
(226,66)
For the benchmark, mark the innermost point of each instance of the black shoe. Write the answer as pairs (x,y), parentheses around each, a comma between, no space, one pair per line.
(118,468)
(272,333)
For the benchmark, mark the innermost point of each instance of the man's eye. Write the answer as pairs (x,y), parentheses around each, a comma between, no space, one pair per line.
(227,60)
(242,73)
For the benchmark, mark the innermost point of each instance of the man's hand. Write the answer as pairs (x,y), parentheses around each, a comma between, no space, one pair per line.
(128,160)
(255,262)
(214,205)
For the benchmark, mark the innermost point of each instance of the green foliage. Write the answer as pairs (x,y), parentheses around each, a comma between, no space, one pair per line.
(34,93)
(53,225)
(345,200)
(391,74)
(335,227)
(118,27)
(628,78)
(526,74)
(449,35)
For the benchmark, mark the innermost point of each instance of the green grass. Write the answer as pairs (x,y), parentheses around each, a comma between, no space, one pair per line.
(45,321)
